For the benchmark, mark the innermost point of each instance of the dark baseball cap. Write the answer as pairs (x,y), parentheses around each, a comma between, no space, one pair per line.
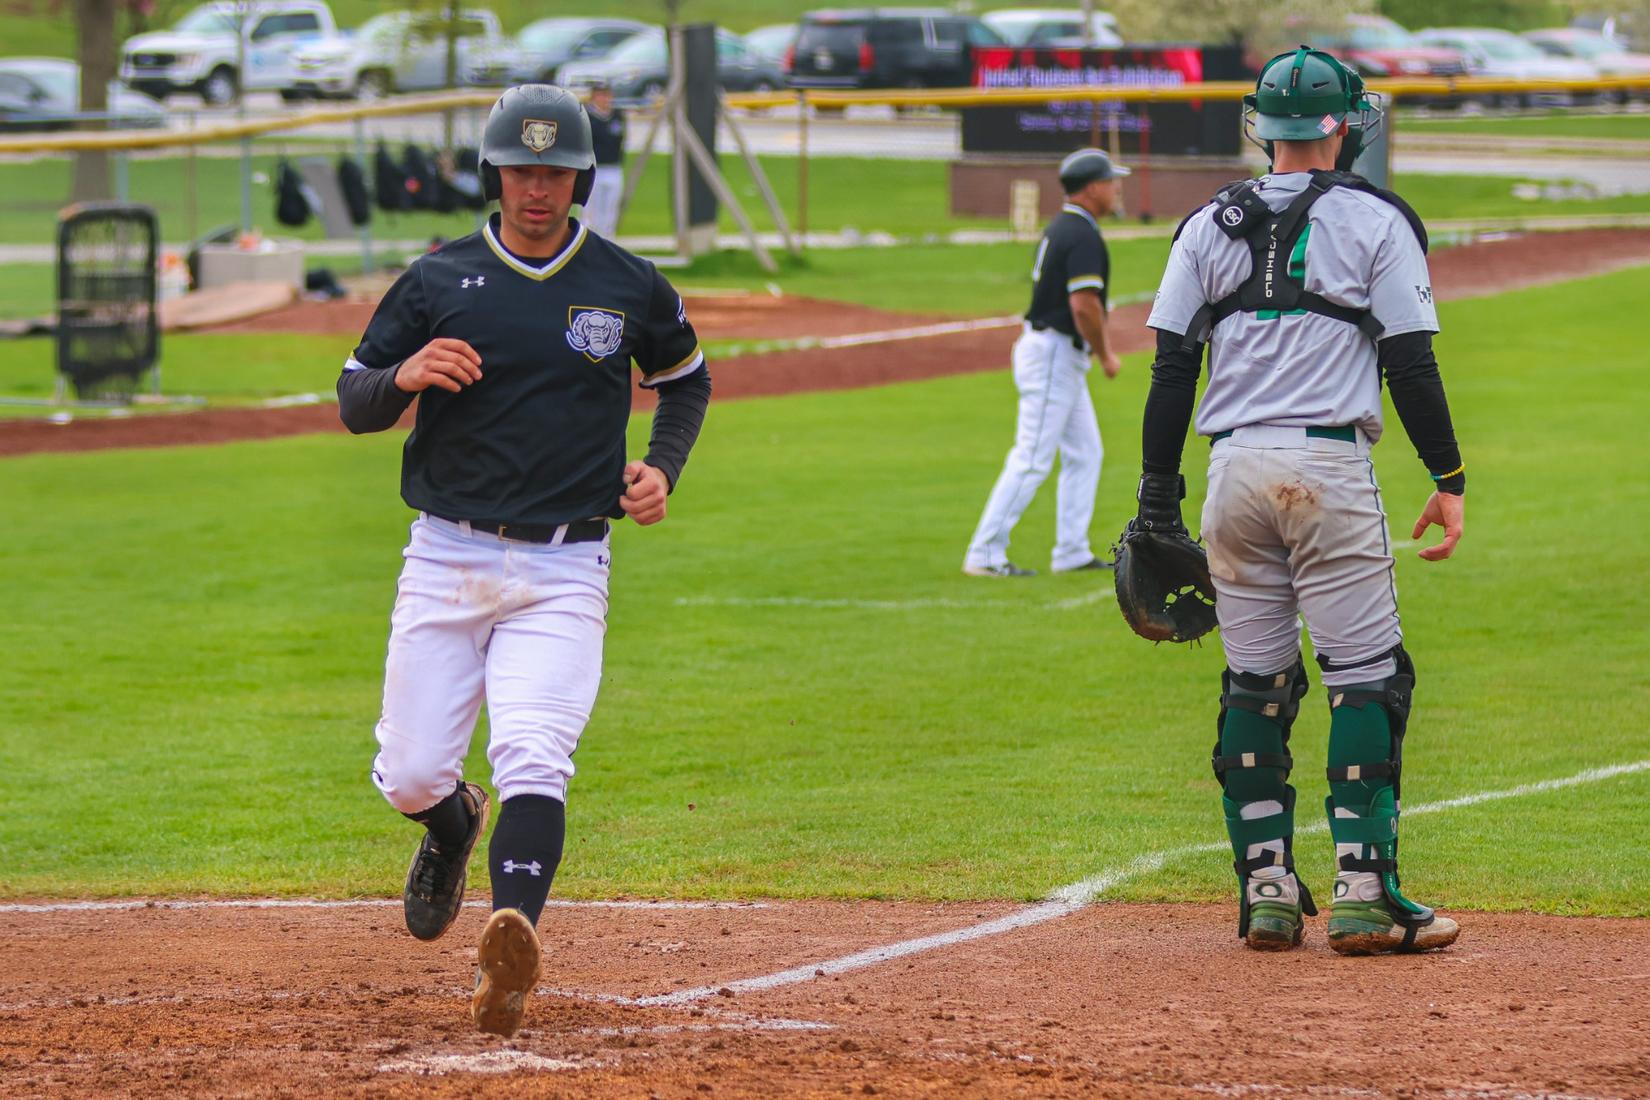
(1087,165)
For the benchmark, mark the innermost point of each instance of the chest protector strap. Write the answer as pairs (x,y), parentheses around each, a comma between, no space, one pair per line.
(1242,215)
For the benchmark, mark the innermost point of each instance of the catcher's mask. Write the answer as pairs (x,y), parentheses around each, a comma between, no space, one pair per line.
(1305,95)
(538,124)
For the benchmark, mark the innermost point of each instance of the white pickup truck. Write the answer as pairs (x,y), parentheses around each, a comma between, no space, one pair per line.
(400,51)
(201,53)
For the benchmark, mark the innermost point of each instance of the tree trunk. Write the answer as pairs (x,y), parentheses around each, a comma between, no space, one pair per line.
(95,24)
(450,24)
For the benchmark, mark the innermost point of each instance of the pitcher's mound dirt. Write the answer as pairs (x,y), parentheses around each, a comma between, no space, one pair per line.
(1114,1000)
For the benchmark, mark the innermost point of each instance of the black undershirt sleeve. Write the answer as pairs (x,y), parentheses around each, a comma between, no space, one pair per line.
(1169,403)
(676,422)
(370,401)
(1411,373)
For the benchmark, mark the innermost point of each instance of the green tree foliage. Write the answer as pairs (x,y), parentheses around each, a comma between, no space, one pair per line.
(1515,15)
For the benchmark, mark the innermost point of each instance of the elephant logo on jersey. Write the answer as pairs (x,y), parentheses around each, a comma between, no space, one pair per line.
(537,134)
(595,331)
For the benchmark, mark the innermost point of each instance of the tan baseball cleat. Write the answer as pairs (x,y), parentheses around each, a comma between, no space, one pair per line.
(1367,928)
(507,967)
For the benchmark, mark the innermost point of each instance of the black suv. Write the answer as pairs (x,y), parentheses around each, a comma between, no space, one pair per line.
(887,48)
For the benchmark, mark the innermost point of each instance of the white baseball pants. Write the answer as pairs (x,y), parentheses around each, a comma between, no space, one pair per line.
(601,212)
(1056,414)
(1295,529)
(476,617)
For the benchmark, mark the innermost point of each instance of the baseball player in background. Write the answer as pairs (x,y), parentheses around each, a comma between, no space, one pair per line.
(601,212)
(1064,325)
(1309,285)
(519,341)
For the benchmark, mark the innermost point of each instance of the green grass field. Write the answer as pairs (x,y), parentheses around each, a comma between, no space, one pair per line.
(1633,127)
(803,696)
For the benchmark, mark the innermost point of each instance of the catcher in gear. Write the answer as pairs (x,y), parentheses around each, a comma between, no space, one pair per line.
(1309,286)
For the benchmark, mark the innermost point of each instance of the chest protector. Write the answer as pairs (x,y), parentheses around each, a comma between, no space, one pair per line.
(1242,215)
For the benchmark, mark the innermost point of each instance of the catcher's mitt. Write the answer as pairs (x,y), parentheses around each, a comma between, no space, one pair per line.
(1163,585)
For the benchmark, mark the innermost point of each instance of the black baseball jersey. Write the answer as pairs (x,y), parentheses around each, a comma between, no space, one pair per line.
(541,437)
(607,136)
(1071,256)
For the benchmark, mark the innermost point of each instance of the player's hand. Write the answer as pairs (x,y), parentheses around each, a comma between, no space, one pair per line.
(645,493)
(443,362)
(1111,364)
(1446,510)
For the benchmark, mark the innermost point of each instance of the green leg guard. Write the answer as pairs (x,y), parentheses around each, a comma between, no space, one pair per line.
(1252,762)
(1366,733)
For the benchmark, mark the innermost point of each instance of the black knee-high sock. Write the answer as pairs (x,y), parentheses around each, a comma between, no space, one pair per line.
(525,851)
(448,821)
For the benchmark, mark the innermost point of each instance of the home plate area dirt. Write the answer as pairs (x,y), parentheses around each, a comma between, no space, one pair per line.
(1109,1000)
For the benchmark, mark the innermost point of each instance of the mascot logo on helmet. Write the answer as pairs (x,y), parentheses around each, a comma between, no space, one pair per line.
(537,134)
(595,331)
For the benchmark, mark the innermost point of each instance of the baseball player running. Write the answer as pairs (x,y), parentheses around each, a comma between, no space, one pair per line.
(519,340)
(1309,285)
(1065,323)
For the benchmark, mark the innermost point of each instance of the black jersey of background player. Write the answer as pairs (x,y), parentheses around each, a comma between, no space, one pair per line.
(1071,256)
(607,136)
(540,438)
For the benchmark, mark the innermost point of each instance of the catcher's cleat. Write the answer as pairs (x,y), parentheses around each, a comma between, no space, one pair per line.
(1092,565)
(1369,928)
(1006,569)
(435,882)
(1275,921)
(507,967)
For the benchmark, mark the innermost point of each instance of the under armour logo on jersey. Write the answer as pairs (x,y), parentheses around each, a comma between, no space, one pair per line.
(467,282)
(1424,293)
(511,867)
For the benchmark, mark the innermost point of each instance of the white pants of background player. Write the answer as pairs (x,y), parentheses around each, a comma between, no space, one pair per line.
(1056,415)
(478,617)
(601,213)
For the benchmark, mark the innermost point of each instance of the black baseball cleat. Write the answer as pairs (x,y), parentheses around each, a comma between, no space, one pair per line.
(1092,565)
(435,882)
(507,966)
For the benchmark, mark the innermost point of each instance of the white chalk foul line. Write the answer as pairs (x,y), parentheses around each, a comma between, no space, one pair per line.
(1068,899)
(829,603)
(354,903)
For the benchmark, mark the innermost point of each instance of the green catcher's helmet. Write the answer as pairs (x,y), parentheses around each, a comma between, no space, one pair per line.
(1305,95)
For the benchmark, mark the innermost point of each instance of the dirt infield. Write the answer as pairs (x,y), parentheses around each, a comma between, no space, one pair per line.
(1479,268)
(1111,1000)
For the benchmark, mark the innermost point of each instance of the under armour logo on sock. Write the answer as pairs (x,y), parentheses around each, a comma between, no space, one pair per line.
(511,867)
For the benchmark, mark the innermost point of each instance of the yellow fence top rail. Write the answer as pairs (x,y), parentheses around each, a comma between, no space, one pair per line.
(1219,91)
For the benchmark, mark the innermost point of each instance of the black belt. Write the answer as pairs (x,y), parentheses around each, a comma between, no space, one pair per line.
(1346,433)
(1076,341)
(580,530)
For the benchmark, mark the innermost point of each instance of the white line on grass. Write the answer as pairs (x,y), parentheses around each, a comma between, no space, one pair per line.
(355,903)
(831,603)
(1068,899)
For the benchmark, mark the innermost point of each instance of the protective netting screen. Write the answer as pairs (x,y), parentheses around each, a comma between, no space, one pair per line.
(108,333)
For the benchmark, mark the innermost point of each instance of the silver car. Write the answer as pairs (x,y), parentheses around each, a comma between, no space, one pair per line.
(545,45)
(43,93)
(395,52)
(1492,52)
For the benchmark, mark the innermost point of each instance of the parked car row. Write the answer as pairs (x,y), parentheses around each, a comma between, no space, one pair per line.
(295,48)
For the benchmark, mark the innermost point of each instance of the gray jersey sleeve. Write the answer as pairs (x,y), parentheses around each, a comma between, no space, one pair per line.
(1400,286)
(1181,293)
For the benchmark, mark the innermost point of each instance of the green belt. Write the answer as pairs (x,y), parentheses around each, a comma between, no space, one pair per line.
(1346,433)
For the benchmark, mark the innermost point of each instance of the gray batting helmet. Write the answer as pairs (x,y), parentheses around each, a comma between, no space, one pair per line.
(1085,166)
(538,124)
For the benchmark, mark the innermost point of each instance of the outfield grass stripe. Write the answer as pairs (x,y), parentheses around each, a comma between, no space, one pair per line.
(832,603)
(1068,899)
